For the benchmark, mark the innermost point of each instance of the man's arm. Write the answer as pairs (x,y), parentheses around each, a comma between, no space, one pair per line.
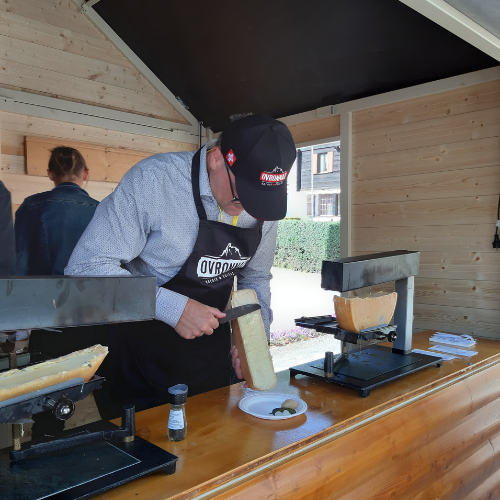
(257,273)
(116,235)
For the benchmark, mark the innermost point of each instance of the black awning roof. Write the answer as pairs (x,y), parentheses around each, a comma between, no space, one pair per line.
(282,57)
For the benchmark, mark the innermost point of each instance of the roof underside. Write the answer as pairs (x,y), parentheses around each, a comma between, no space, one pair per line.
(282,57)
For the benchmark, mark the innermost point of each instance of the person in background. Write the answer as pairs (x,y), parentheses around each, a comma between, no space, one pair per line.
(48,226)
(7,255)
(7,248)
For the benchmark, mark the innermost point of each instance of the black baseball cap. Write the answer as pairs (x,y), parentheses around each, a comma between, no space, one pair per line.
(260,153)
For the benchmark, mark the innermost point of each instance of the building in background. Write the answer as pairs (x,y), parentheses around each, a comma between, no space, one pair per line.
(314,183)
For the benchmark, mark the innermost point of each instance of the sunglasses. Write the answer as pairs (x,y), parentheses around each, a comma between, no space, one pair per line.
(231,183)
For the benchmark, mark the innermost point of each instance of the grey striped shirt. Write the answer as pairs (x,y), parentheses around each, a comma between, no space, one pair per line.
(148,227)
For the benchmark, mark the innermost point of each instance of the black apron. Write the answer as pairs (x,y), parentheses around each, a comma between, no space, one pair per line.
(147,357)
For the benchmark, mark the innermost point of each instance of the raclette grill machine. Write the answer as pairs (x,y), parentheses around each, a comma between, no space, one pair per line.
(85,461)
(362,365)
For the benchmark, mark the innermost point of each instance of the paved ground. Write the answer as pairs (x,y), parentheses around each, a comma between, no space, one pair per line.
(296,294)
(298,353)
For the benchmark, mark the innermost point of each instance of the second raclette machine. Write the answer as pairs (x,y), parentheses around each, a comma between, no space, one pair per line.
(83,462)
(363,365)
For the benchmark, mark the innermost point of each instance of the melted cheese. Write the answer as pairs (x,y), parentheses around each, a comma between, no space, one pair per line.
(82,363)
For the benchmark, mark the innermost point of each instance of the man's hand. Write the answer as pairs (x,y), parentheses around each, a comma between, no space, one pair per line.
(236,364)
(197,319)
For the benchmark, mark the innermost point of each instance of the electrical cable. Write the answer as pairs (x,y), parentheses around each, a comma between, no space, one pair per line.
(496,238)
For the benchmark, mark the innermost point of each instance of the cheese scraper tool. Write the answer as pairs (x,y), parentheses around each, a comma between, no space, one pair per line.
(237,312)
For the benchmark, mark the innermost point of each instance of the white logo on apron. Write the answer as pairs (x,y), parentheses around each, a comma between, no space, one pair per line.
(215,268)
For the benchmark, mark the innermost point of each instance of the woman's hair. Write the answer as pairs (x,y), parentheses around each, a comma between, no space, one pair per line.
(66,161)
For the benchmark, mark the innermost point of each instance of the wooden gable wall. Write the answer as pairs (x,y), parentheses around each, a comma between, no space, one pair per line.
(48,47)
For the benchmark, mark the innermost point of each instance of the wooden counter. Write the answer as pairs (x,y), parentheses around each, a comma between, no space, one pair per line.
(432,434)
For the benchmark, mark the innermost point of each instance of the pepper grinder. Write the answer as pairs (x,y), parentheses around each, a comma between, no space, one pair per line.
(177,424)
(328,364)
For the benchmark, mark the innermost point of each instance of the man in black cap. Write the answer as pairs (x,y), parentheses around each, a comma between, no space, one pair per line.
(194,221)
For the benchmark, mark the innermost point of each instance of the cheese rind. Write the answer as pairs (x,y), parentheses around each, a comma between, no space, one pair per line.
(359,313)
(78,364)
(249,337)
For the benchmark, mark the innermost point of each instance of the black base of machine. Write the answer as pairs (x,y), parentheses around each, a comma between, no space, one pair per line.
(83,471)
(368,367)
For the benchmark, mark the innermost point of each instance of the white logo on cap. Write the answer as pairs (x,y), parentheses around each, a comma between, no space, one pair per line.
(274,178)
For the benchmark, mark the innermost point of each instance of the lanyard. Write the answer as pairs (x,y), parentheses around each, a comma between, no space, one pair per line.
(235,218)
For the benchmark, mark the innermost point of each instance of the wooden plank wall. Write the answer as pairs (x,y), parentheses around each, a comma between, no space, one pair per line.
(323,128)
(426,177)
(16,127)
(108,164)
(50,48)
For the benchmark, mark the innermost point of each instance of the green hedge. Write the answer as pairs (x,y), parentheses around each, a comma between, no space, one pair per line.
(303,244)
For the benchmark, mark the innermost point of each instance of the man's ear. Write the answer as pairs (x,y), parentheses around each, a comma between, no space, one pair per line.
(50,174)
(86,173)
(215,158)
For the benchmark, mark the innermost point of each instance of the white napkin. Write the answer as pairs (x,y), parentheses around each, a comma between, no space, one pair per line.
(458,340)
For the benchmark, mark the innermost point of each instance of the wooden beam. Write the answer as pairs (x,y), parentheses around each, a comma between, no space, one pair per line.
(478,97)
(322,130)
(455,265)
(453,20)
(22,186)
(480,181)
(26,103)
(109,33)
(395,96)
(345,184)
(444,212)
(457,238)
(105,164)
(13,164)
(468,320)
(433,132)
(466,155)
(15,127)
(451,292)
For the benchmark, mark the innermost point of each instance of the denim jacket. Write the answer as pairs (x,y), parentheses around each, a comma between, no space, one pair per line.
(7,252)
(48,226)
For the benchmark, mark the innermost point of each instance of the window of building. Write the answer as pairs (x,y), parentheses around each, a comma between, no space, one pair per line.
(323,162)
(326,204)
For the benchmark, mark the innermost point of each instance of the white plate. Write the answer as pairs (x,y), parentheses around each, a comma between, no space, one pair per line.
(262,405)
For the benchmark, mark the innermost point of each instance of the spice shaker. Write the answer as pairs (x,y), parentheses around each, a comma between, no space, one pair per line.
(177,424)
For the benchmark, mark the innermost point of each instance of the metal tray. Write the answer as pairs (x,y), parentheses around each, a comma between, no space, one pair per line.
(328,324)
